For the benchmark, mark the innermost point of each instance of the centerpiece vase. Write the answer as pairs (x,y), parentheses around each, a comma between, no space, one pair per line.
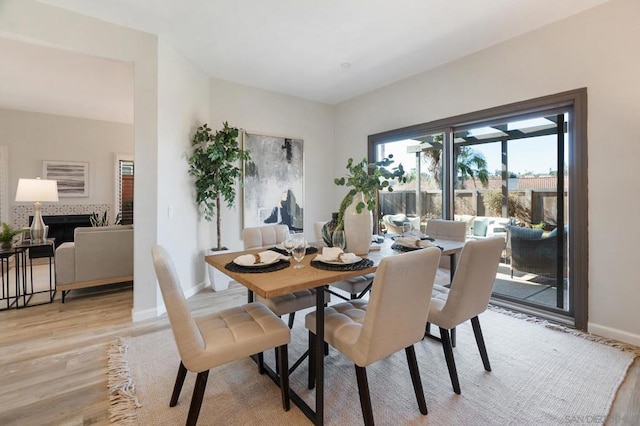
(328,228)
(358,227)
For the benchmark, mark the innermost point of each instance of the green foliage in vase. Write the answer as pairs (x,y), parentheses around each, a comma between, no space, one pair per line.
(368,178)
(214,165)
(7,234)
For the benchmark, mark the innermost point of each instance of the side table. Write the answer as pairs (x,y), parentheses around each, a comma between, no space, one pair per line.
(26,295)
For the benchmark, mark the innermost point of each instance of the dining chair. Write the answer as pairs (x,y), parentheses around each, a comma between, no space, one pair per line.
(453,230)
(214,339)
(392,319)
(467,297)
(356,287)
(268,236)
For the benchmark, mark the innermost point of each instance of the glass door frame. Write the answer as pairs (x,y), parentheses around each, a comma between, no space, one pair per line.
(577,238)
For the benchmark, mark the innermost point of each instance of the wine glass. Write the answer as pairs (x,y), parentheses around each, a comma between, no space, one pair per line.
(288,245)
(299,250)
(338,239)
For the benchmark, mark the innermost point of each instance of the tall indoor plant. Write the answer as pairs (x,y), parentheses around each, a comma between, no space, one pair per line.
(365,180)
(214,165)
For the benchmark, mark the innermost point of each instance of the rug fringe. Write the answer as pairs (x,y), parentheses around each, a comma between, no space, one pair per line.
(625,347)
(122,391)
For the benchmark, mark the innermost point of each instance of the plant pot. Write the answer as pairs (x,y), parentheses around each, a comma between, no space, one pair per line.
(218,279)
(358,227)
(5,244)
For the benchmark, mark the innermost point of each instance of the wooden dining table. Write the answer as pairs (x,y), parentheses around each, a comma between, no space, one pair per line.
(288,280)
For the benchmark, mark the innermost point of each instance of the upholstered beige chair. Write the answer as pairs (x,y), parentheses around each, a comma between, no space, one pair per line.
(218,338)
(356,287)
(394,318)
(266,237)
(467,298)
(452,230)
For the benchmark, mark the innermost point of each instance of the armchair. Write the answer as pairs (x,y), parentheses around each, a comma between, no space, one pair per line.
(394,222)
(533,253)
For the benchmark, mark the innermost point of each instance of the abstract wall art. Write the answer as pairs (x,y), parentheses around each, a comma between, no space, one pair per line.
(72,177)
(273,182)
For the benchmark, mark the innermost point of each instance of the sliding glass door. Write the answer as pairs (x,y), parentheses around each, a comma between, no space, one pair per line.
(506,173)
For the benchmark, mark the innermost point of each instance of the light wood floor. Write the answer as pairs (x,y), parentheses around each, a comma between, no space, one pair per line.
(53,358)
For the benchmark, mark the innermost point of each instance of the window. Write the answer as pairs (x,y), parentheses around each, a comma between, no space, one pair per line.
(124,188)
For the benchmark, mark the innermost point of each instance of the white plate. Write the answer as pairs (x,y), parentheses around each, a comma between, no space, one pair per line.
(258,265)
(339,262)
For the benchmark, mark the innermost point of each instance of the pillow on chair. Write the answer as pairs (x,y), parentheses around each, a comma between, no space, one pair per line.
(480,227)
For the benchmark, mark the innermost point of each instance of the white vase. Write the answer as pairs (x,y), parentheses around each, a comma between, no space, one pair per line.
(218,279)
(358,227)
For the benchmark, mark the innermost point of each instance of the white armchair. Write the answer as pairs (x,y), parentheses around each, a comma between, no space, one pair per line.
(394,222)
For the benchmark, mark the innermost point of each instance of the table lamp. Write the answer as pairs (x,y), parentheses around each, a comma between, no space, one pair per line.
(37,191)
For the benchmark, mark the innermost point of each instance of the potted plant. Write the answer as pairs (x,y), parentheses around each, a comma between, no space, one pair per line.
(366,179)
(213,164)
(7,234)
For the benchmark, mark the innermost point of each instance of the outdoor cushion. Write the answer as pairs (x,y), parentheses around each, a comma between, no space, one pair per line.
(480,227)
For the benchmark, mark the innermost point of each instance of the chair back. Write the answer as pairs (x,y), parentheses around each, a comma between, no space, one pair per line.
(452,230)
(317,230)
(262,236)
(398,306)
(473,281)
(185,330)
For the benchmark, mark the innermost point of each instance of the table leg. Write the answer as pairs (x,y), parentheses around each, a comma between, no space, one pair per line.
(452,267)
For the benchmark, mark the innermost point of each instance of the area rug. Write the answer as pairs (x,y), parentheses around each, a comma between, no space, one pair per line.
(540,376)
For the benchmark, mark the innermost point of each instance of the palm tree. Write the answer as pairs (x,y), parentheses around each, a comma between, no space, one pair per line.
(470,164)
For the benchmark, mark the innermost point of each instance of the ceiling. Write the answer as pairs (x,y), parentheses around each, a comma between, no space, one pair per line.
(332,50)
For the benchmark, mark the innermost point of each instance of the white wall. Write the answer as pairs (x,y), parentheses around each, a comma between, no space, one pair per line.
(183,101)
(595,49)
(33,137)
(268,113)
(30,21)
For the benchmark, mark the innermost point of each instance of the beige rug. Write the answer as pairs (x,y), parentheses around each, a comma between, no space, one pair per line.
(540,376)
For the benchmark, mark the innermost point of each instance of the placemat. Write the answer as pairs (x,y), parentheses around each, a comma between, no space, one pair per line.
(400,247)
(234,267)
(310,250)
(363,264)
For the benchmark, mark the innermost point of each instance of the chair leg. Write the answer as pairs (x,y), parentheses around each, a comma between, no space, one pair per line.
(448,356)
(292,318)
(475,323)
(415,378)
(260,363)
(312,361)
(453,337)
(283,355)
(365,398)
(196,399)
(182,373)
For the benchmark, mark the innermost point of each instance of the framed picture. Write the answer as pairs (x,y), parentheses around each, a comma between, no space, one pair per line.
(273,182)
(72,177)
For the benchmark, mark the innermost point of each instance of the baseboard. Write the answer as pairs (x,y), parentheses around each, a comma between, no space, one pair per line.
(137,316)
(614,333)
(160,309)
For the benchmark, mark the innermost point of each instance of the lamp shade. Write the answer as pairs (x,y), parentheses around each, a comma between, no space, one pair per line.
(37,190)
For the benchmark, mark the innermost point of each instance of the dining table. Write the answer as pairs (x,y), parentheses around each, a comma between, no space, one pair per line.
(276,281)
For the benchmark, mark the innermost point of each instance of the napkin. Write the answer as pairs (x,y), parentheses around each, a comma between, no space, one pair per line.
(335,254)
(267,256)
(413,242)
